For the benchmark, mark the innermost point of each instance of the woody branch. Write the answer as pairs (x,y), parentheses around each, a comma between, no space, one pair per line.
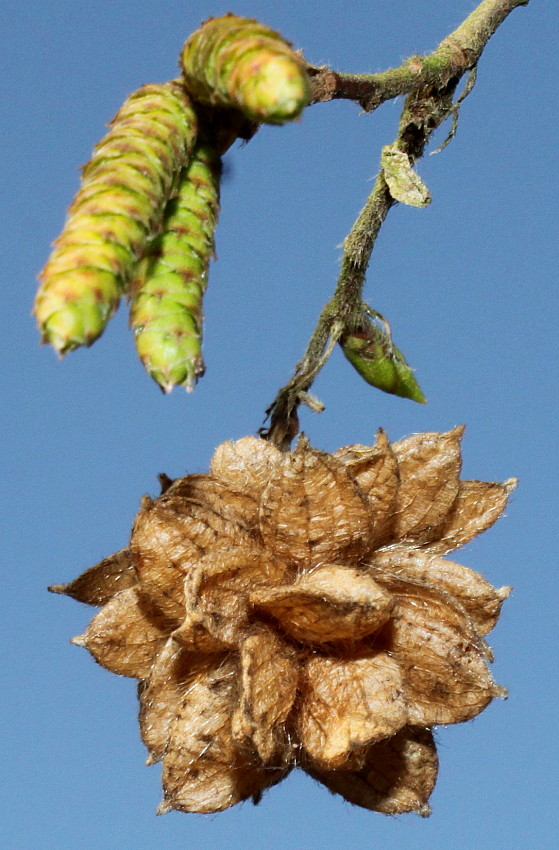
(429,83)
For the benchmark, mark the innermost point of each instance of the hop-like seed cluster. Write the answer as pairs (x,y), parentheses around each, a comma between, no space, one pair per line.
(297,610)
(125,187)
(239,62)
(166,305)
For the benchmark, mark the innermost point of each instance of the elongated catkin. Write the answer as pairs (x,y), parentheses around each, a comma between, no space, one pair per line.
(166,304)
(125,186)
(239,62)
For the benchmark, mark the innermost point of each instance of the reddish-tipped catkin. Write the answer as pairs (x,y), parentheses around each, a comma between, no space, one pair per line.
(166,308)
(239,62)
(125,186)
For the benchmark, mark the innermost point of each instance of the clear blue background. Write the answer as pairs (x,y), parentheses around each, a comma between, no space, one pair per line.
(469,285)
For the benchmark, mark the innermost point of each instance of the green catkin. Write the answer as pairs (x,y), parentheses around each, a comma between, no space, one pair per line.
(125,186)
(239,62)
(166,302)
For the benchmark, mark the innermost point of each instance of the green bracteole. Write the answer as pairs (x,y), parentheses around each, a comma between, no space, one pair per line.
(370,350)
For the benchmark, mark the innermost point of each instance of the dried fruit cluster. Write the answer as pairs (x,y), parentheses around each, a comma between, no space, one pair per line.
(296,610)
(139,198)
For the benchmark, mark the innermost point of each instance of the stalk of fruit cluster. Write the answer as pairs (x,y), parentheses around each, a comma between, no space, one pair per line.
(125,186)
(166,301)
(239,62)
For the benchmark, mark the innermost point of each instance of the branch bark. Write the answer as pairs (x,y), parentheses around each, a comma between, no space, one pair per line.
(456,53)
(430,83)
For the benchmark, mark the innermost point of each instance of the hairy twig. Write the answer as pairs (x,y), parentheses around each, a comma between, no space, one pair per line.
(430,83)
(455,54)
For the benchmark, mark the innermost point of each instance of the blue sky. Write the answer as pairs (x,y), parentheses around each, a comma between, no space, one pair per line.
(469,285)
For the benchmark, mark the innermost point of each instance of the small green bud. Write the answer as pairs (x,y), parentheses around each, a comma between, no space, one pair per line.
(370,350)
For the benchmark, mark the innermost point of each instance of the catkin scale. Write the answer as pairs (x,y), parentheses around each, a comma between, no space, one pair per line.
(125,186)
(166,303)
(239,62)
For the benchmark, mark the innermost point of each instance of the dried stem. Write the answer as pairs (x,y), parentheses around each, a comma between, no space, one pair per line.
(429,83)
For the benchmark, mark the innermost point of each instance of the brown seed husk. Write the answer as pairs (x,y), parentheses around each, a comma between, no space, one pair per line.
(162,694)
(171,533)
(441,656)
(218,590)
(312,510)
(330,604)
(101,582)
(349,703)
(126,635)
(269,678)
(375,470)
(398,775)
(203,768)
(429,467)
(245,465)
(480,599)
(477,506)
